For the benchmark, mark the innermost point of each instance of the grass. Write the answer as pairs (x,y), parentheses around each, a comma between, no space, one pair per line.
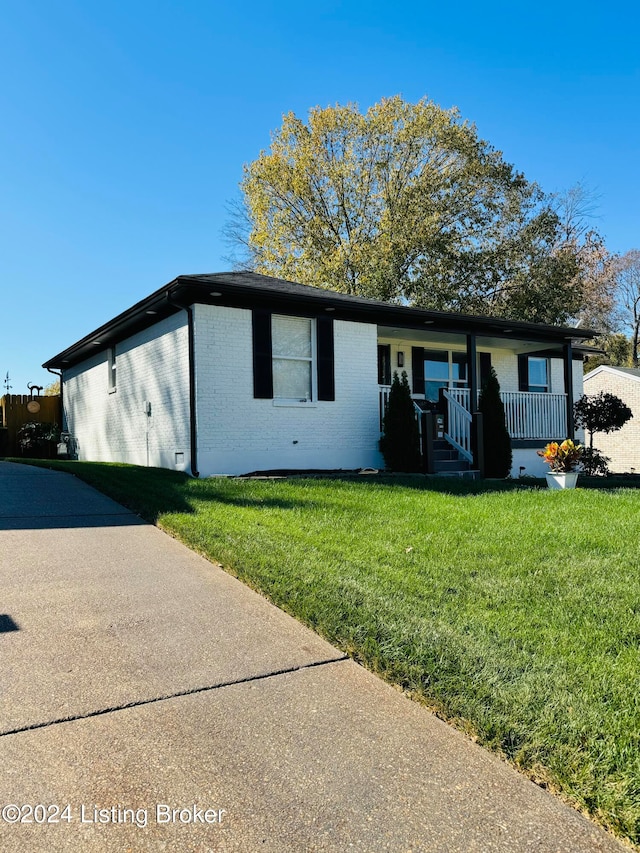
(513,611)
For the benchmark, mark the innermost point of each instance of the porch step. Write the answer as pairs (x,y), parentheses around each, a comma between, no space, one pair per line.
(446,454)
(447,461)
(450,465)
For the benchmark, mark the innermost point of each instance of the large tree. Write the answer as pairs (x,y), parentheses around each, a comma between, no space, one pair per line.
(616,351)
(594,280)
(627,272)
(405,202)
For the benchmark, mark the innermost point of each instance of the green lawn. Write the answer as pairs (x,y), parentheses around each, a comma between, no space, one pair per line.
(513,611)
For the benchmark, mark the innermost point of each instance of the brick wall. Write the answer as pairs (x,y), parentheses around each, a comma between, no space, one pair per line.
(623,447)
(238,434)
(151,367)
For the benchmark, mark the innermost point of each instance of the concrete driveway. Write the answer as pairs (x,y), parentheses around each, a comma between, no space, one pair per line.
(149,701)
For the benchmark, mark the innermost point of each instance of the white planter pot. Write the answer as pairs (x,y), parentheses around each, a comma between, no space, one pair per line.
(562,481)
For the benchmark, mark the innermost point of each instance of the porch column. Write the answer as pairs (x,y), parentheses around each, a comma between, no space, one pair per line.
(567,353)
(472,367)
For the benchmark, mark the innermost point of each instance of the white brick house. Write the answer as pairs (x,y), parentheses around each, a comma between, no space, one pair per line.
(623,446)
(230,373)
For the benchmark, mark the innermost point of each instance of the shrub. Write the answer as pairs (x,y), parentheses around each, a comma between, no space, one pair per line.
(400,442)
(594,463)
(496,439)
(35,436)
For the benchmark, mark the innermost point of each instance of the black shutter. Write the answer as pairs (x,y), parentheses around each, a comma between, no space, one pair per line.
(262,369)
(485,367)
(417,370)
(523,372)
(326,373)
(384,364)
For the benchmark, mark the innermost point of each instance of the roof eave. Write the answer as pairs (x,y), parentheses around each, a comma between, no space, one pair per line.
(219,288)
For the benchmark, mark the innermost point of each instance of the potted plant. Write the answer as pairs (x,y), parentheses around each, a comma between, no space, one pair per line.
(562,459)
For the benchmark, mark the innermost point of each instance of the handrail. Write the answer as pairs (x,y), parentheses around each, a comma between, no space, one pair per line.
(459,420)
(383,399)
(418,413)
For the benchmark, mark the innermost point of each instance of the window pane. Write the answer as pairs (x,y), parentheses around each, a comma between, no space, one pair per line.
(292,379)
(538,372)
(291,336)
(436,365)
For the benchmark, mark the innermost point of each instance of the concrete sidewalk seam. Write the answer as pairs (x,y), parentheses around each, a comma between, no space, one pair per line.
(191,692)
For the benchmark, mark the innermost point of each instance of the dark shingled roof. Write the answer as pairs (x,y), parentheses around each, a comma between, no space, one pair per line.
(252,290)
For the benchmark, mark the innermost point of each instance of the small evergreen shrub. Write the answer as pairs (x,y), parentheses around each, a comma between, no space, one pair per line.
(496,439)
(400,442)
(594,463)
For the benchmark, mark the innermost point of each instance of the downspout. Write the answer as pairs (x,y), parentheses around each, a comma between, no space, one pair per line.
(59,375)
(192,386)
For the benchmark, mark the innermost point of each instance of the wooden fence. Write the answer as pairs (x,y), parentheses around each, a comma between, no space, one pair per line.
(14,412)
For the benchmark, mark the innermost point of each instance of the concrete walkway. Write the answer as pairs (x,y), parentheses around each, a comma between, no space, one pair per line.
(173,709)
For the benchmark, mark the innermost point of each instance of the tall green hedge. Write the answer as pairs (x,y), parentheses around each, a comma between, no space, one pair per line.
(400,442)
(496,438)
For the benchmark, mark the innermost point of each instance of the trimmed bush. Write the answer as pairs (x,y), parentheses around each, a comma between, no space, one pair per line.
(400,442)
(496,438)
(601,412)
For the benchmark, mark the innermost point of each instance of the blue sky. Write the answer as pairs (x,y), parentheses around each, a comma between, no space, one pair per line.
(125,127)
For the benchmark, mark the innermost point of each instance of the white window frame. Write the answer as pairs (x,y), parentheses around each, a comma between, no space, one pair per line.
(111,368)
(312,360)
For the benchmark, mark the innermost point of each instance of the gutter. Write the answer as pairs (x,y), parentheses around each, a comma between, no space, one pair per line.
(192,385)
(59,375)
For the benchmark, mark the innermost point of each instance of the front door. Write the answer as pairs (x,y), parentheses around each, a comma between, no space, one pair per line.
(444,369)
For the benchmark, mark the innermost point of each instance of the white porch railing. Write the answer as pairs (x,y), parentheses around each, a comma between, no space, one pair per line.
(528,415)
(459,420)
(383,400)
(461,396)
(531,415)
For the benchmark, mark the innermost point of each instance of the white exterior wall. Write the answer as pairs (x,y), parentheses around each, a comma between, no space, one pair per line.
(238,434)
(151,366)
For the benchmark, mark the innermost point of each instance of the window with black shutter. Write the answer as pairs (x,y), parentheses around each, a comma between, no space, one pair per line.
(293,358)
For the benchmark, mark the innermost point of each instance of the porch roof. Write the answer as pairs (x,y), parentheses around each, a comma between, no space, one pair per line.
(251,290)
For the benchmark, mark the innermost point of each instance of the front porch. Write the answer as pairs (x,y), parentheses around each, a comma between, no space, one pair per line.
(529,416)
(539,379)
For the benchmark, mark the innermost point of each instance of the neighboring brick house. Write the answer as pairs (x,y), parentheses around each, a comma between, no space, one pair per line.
(623,446)
(230,373)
